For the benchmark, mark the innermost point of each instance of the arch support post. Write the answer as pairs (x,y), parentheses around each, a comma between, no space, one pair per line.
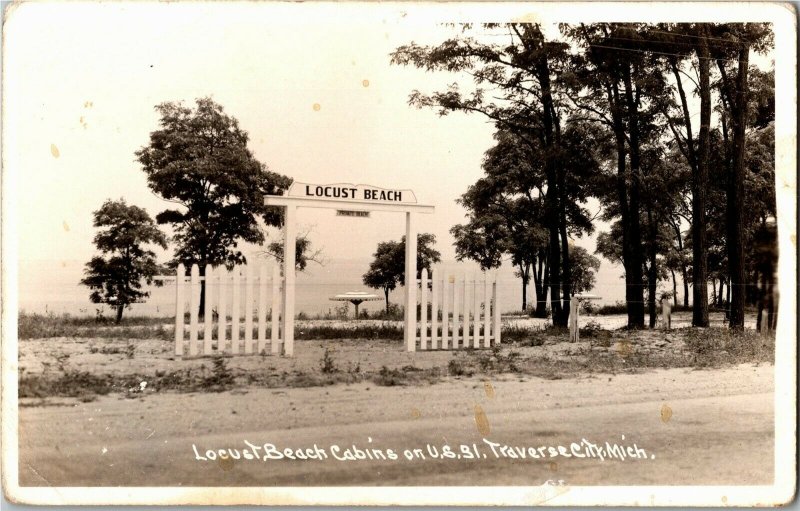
(289,241)
(410,323)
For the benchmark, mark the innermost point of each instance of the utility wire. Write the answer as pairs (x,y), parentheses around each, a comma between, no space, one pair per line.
(658,52)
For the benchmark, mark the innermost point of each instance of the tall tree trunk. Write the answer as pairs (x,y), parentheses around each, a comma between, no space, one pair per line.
(674,288)
(541,287)
(612,91)
(762,299)
(386,295)
(553,197)
(554,261)
(567,271)
(636,306)
(652,270)
(685,279)
(714,292)
(524,272)
(699,186)
(734,213)
(728,298)
(120,308)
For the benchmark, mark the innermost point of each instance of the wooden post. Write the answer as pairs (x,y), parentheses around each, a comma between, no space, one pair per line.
(411,283)
(574,333)
(262,308)
(195,282)
(179,309)
(434,308)
(423,310)
(666,313)
(208,315)
(289,240)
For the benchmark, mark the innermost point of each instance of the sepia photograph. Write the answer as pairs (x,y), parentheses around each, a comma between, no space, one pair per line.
(399,253)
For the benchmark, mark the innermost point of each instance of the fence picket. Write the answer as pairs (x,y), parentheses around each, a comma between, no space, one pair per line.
(208,316)
(456,310)
(248,310)
(476,313)
(486,310)
(195,277)
(434,308)
(274,315)
(262,308)
(445,311)
(235,311)
(222,312)
(466,311)
(496,312)
(455,296)
(179,309)
(423,310)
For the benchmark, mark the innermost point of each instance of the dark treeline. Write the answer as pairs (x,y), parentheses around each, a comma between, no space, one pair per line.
(668,126)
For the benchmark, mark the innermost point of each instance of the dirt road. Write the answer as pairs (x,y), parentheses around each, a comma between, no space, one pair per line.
(696,427)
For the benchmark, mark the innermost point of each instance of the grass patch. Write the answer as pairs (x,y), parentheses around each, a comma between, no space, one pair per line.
(713,347)
(68,384)
(387,332)
(44,326)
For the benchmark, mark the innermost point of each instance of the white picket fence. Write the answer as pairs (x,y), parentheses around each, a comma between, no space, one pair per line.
(467,303)
(246,297)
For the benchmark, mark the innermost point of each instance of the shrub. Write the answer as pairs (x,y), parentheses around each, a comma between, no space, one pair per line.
(615,308)
(457,367)
(388,377)
(220,379)
(327,365)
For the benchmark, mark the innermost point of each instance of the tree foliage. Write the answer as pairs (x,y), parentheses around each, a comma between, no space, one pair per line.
(584,266)
(605,110)
(199,160)
(304,252)
(116,276)
(387,269)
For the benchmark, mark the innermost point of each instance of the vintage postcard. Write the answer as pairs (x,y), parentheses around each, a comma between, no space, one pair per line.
(399,253)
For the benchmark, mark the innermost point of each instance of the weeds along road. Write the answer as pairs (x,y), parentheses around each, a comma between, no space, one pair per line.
(709,427)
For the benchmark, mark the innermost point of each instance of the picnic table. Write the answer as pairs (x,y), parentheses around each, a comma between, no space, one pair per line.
(356,298)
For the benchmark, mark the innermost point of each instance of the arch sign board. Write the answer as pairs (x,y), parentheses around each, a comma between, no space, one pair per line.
(348,200)
(364,193)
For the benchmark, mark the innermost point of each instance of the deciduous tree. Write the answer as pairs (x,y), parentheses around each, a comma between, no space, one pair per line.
(116,276)
(387,269)
(199,160)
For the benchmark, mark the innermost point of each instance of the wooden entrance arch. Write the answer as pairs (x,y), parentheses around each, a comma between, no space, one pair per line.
(347,197)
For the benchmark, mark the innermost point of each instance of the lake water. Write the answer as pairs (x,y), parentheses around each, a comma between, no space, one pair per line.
(54,286)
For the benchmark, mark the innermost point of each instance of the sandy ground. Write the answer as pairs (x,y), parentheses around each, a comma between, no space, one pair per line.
(148,356)
(696,427)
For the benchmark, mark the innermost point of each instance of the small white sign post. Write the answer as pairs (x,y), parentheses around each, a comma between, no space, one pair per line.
(574,308)
(351,198)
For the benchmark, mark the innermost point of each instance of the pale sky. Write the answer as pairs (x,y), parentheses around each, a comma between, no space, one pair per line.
(86,79)
(82,81)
